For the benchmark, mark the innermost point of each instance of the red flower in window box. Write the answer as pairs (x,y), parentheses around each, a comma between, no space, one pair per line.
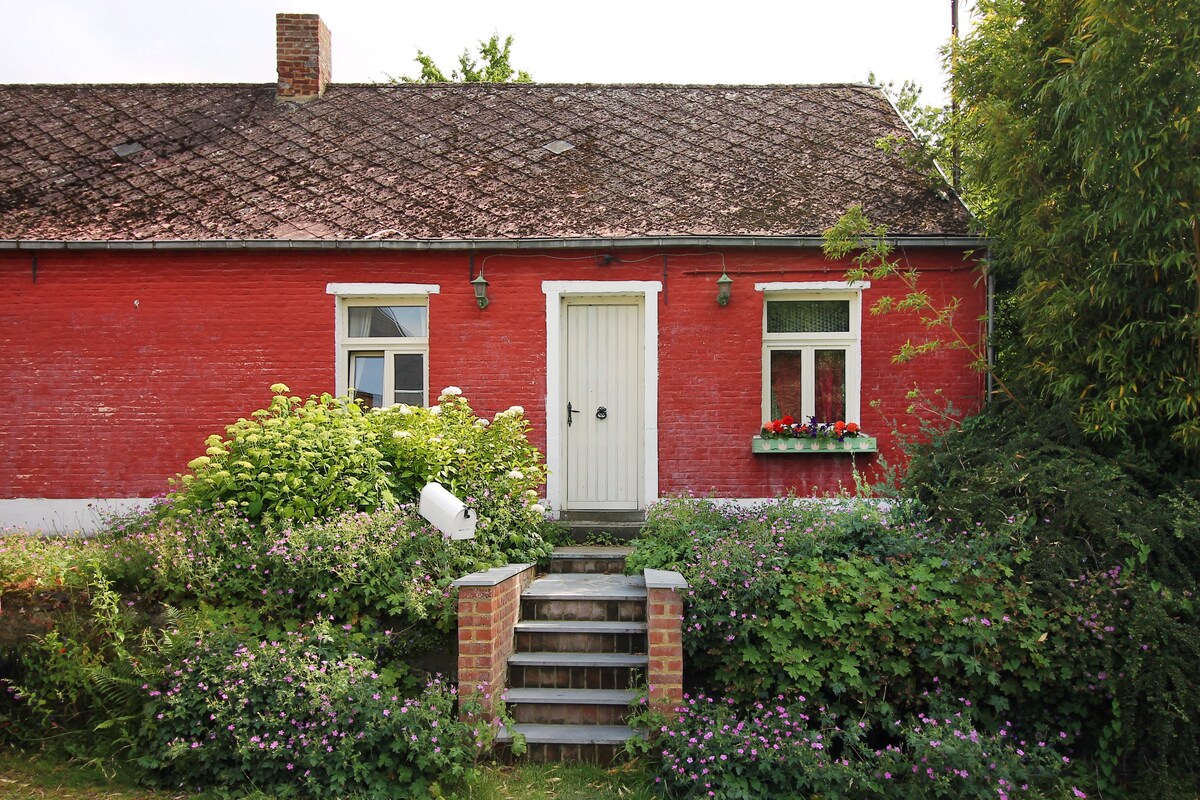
(788,428)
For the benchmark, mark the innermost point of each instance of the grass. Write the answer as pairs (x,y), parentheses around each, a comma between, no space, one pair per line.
(25,776)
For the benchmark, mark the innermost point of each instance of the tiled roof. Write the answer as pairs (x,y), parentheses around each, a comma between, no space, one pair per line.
(465,161)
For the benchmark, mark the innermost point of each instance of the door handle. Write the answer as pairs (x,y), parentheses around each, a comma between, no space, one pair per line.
(601,413)
(571,411)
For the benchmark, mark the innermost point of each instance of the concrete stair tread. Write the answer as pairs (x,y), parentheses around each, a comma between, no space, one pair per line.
(592,697)
(578,626)
(577,659)
(568,586)
(537,733)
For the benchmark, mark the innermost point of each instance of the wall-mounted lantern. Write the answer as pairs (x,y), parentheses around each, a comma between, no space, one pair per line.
(480,285)
(724,284)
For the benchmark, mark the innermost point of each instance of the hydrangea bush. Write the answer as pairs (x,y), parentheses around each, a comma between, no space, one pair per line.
(304,459)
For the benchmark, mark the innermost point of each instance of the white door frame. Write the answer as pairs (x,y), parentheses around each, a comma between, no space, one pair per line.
(647,292)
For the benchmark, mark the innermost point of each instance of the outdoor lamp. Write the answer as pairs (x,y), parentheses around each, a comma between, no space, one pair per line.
(723,285)
(480,284)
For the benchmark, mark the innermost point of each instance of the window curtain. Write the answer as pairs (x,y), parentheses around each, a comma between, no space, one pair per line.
(360,322)
(831,385)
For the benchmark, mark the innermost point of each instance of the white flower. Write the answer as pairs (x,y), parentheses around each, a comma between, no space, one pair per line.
(516,474)
(531,494)
(538,508)
(435,410)
(401,434)
(516,410)
(462,451)
(279,388)
(452,391)
(403,410)
(483,423)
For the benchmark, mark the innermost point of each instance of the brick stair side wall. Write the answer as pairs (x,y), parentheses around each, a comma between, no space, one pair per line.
(489,605)
(664,617)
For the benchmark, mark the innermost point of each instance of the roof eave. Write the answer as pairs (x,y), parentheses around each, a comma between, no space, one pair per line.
(549,243)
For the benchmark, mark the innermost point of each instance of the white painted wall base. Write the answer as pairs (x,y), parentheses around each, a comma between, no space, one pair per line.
(66,515)
(832,502)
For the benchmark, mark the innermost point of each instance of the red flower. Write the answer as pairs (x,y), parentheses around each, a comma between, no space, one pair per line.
(852,427)
(788,420)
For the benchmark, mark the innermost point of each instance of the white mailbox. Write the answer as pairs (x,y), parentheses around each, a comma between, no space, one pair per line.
(446,512)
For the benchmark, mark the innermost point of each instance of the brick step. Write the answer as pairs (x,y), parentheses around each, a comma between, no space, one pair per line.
(583,530)
(570,706)
(594,744)
(579,670)
(585,597)
(580,636)
(589,560)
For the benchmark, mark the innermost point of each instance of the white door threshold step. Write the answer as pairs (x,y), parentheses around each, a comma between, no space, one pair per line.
(591,697)
(577,659)
(537,733)
(570,586)
(578,626)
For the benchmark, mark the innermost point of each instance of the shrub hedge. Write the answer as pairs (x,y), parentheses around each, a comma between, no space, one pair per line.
(261,626)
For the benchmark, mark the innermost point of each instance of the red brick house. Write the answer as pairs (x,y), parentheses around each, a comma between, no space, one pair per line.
(168,252)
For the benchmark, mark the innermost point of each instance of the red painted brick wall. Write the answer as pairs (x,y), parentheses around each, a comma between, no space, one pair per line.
(119,364)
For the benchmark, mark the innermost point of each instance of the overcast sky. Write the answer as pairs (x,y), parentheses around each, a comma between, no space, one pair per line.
(594,41)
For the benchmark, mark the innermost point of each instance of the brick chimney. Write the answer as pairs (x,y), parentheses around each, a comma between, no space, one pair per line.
(302,51)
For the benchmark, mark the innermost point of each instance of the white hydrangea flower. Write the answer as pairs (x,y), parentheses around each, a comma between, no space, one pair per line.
(462,451)
(403,410)
(538,508)
(516,474)
(435,410)
(401,434)
(516,410)
(452,391)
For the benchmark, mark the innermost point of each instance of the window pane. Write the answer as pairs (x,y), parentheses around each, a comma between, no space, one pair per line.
(410,378)
(366,378)
(808,316)
(387,322)
(785,384)
(831,385)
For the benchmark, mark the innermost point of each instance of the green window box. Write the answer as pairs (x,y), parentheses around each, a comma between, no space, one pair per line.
(860,444)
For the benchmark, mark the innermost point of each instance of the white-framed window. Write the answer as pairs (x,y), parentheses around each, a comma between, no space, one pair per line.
(383,342)
(812,354)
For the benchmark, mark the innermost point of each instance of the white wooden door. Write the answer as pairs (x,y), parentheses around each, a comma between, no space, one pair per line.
(603,431)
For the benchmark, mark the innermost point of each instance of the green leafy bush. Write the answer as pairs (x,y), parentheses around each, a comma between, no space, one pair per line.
(303,715)
(860,609)
(299,460)
(792,747)
(78,681)
(295,459)
(388,566)
(852,605)
(1110,539)
(489,464)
